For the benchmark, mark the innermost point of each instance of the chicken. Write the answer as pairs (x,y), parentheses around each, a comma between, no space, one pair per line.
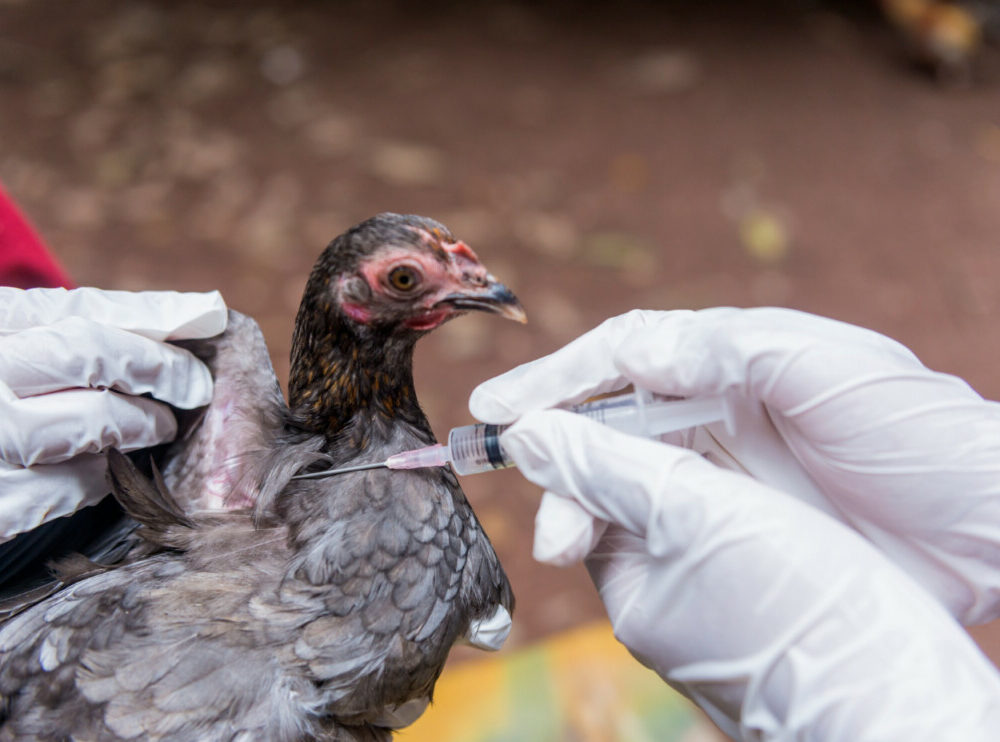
(255,606)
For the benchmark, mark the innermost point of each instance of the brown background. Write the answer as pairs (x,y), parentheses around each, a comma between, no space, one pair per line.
(598,156)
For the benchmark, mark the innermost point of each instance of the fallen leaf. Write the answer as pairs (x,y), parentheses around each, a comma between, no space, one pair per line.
(550,234)
(987,143)
(331,135)
(282,65)
(620,251)
(764,235)
(407,164)
(629,172)
(665,71)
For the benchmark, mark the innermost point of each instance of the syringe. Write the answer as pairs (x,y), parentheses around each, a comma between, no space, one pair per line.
(476,448)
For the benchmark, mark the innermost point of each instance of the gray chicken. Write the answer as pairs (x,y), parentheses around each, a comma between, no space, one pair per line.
(255,606)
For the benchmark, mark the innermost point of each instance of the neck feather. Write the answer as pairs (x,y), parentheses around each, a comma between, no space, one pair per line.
(348,378)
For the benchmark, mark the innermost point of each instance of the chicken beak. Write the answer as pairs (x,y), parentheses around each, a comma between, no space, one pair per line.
(494,297)
(475,288)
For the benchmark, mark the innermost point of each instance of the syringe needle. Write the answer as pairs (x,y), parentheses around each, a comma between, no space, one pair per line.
(341,470)
(436,455)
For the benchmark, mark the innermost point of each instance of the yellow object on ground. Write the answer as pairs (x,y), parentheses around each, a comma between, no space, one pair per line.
(581,686)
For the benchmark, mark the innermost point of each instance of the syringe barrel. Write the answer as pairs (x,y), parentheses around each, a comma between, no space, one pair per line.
(655,414)
(618,412)
(476,448)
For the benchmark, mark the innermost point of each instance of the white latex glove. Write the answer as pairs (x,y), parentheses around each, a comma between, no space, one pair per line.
(780,621)
(72,367)
(843,418)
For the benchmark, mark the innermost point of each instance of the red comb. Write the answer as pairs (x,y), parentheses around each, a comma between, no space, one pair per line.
(460,249)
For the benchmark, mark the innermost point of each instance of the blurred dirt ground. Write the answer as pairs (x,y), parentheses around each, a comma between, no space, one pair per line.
(598,156)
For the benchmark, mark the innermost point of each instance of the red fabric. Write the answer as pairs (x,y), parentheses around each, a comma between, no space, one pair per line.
(24,260)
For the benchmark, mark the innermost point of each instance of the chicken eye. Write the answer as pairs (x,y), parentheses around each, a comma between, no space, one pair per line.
(403,278)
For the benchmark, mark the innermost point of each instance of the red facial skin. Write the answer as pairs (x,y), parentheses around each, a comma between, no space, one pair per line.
(447,269)
(357,312)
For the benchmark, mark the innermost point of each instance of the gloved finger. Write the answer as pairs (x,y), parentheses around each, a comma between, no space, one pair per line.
(754,351)
(57,427)
(564,532)
(42,493)
(613,476)
(158,315)
(618,564)
(79,353)
(579,370)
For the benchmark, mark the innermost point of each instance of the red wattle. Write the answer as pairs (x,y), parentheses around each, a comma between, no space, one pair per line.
(427,321)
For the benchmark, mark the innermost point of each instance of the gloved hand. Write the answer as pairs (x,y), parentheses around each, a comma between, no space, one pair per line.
(778,621)
(776,618)
(843,418)
(80,371)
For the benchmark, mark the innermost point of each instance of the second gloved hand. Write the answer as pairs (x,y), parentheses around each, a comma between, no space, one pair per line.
(84,370)
(778,620)
(847,420)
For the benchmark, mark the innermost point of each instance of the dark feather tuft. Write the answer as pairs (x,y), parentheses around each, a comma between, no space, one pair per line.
(149,502)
